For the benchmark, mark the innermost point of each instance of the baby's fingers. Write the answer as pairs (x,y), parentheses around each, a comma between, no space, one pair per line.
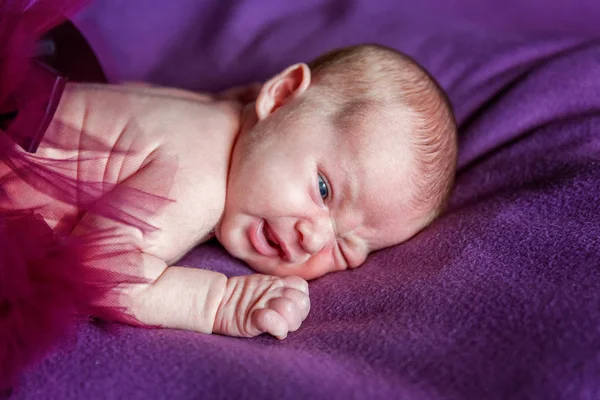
(295,282)
(288,310)
(271,322)
(299,298)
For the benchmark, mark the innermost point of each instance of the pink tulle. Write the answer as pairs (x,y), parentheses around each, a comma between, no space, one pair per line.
(49,277)
(40,289)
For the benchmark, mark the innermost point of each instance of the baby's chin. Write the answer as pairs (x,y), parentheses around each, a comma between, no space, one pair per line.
(308,270)
(273,267)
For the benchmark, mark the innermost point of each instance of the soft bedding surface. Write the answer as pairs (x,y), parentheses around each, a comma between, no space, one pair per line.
(499,299)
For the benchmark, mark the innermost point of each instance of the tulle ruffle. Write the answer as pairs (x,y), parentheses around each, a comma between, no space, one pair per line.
(50,277)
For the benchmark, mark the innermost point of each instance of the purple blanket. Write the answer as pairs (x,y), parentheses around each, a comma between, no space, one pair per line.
(499,299)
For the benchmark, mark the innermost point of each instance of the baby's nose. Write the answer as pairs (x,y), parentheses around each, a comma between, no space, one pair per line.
(314,235)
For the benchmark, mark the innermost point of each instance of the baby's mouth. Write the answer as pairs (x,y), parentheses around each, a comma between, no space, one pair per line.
(273,240)
(265,241)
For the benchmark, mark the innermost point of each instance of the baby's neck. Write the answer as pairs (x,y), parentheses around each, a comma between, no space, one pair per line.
(243,117)
(230,117)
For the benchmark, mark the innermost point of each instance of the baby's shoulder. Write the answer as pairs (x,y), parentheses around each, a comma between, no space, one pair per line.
(139,120)
(131,112)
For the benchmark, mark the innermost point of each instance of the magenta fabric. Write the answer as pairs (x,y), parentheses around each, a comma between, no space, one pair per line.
(49,279)
(500,298)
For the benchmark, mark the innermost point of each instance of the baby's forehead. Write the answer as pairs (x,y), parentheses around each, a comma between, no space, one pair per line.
(358,119)
(377,162)
(372,134)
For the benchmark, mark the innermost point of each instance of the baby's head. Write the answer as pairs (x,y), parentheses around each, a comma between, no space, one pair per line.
(347,155)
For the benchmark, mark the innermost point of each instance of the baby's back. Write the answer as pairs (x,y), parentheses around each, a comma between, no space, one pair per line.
(104,136)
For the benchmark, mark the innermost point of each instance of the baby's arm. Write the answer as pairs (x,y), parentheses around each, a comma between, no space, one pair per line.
(206,301)
(186,298)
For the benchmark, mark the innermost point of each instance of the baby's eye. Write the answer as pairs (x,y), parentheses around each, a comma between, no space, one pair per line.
(323,188)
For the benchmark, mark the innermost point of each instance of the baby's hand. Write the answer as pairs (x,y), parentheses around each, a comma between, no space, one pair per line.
(254,304)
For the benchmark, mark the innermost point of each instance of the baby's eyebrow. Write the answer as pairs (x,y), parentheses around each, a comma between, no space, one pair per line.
(344,204)
(349,188)
(346,169)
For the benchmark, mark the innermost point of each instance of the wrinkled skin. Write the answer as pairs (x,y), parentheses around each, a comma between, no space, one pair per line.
(254,304)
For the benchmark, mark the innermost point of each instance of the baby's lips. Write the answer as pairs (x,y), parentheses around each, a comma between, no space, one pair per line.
(259,241)
(282,248)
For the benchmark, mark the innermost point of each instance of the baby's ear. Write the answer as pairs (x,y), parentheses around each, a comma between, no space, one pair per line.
(282,88)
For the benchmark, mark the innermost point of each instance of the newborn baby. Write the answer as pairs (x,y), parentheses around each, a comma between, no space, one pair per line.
(330,161)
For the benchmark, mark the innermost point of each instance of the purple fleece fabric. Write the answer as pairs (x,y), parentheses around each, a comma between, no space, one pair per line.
(499,299)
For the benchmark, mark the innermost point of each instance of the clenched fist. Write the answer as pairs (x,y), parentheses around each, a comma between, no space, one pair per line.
(255,304)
